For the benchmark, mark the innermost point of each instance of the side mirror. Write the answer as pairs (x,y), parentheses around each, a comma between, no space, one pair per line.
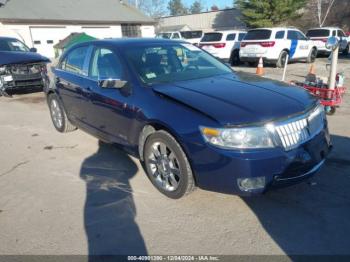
(33,50)
(332,43)
(112,83)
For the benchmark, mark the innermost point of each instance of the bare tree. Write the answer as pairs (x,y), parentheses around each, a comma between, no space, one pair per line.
(153,8)
(323,8)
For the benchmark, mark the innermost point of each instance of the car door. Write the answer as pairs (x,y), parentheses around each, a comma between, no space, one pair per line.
(69,77)
(108,110)
(343,43)
(297,46)
(304,46)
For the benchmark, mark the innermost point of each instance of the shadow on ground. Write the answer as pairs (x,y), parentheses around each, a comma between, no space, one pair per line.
(311,218)
(110,211)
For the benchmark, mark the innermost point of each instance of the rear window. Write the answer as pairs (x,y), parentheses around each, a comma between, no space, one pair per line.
(212,37)
(318,33)
(191,34)
(260,34)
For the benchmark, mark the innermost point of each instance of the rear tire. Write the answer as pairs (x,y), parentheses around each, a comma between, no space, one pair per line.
(282,59)
(59,116)
(167,165)
(346,51)
(312,56)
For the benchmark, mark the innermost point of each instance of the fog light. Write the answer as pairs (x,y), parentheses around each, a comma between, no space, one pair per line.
(248,184)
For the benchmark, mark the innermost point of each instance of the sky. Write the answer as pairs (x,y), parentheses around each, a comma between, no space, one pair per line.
(209,3)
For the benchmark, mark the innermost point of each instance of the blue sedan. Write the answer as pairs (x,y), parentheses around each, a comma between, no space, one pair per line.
(190,119)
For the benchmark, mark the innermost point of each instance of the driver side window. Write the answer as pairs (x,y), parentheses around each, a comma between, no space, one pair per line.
(105,64)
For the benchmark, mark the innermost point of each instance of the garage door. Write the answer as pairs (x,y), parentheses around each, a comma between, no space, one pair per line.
(44,38)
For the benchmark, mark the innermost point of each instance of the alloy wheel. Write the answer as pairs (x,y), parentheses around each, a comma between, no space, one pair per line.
(56,113)
(164,166)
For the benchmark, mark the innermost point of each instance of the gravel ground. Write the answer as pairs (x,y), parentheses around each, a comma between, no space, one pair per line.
(66,194)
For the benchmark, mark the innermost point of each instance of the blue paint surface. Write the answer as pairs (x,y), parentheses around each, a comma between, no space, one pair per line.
(293,48)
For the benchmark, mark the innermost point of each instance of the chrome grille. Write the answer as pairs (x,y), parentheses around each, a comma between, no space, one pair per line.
(297,131)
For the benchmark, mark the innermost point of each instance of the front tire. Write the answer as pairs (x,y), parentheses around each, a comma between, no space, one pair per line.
(167,165)
(59,116)
(312,56)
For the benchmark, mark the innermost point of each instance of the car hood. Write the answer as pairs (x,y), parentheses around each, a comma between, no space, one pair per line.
(239,98)
(7,58)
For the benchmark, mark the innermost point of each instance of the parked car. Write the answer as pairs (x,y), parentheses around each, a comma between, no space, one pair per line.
(274,44)
(191,122)
(192,37)
(223,45)
(321,35)
(20,67)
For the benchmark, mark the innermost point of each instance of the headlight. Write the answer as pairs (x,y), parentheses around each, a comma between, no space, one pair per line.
(239,138)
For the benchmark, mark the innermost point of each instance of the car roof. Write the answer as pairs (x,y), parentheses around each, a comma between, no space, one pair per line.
(8,38)
(275,28)
(122,42)
(227,31)
(327,28)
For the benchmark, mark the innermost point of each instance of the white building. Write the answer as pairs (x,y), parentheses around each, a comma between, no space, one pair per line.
(42,23)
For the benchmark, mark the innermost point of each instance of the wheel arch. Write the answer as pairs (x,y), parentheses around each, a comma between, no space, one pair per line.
(154,126)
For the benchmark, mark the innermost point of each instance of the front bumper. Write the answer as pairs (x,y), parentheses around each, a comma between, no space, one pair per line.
(10,84)
(218,170)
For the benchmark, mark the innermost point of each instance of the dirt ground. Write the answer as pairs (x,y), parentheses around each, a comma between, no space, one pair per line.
(66,194)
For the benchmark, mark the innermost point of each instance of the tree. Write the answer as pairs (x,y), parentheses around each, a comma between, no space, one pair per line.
(152,8)
(176,7)
(322,7)
(196,7)
(214,8)
(265,13)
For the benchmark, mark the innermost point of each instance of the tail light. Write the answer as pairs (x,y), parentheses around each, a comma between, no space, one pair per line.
(268,44)
(263,44)
(219,45)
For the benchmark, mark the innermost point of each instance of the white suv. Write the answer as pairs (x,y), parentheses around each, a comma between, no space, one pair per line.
(274,44)
(192,37)
(321,35)
(223,44)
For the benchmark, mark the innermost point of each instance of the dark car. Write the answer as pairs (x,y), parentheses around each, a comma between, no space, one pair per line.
(21,69)
(190,119)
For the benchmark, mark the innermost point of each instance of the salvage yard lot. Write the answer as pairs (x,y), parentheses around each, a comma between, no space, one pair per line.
(66,194)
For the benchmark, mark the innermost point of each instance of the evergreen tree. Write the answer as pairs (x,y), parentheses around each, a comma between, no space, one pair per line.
(196,7)
(176,7)
(267,13)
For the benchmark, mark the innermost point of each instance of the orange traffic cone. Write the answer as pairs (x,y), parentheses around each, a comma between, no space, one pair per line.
(312,70)
(260,69)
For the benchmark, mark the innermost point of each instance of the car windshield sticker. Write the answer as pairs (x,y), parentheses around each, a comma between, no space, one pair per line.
(191,47)
(151,75)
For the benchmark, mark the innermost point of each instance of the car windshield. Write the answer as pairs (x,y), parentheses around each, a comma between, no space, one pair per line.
(166,63)
(212,37)
(318,33)
(191,34)
(260,34)
(12,45)
(164,35)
